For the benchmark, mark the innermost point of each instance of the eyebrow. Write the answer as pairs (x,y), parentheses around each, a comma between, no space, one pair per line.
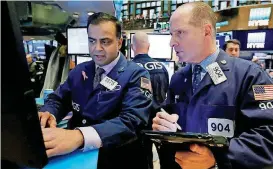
(90,38)
(179,29)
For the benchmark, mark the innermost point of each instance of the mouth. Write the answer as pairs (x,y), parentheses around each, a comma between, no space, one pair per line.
(99,57)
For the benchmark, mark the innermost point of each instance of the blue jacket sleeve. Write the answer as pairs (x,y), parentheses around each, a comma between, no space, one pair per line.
(59,102)
(133,116)
(252,146)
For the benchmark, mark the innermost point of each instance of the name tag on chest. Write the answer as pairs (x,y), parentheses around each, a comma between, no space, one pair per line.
(216,73)
(221,127)
(108,83)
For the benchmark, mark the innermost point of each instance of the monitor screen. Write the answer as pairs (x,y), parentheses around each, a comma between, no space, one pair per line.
(30,46)
(25,47)
(159,46)
(255,40)
(220,41)
(81,59)
(37,46)
(55,43)
(77,41)
(259,16)
(22,141)
(169,65)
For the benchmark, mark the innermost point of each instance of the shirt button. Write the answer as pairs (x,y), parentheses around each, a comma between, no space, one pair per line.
(83,121)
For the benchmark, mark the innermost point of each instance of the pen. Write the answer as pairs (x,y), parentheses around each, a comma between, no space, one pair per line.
(177,125)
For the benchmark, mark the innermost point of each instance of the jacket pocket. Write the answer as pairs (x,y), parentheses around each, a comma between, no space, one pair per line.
(106,96)
(218,119)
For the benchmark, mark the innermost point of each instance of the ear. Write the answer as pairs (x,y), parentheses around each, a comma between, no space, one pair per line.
(208,29)
(120,43)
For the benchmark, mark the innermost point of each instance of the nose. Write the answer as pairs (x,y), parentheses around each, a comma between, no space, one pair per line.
(98,46)
(173,43)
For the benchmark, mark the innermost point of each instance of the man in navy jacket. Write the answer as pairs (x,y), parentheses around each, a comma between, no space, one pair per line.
(159,78)
(110,98)
(215,94)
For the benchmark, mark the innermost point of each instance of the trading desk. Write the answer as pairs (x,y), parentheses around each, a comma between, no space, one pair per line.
(74,160)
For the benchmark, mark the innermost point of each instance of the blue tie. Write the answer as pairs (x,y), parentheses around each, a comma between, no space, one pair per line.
(196,77)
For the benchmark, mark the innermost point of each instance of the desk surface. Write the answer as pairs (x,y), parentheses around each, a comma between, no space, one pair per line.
(74,160)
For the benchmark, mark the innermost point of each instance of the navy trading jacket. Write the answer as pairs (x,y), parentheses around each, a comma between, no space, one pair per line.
(159,77)
(240,108)
(117,115)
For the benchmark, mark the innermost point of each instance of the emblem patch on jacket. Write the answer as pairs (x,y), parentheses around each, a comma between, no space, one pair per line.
(263,92)
(145,84)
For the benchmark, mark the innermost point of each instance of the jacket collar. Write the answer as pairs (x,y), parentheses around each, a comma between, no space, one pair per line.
(113,74)
(139,56)
(224,62)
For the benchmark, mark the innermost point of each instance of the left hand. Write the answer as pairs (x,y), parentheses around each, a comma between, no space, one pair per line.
(200,157)
(61,141)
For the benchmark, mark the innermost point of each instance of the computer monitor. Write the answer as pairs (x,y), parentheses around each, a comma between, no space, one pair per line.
(38,46)
(25,47)
(30,46)
(159,46)
(21,135)
(81,59)
(55,43)
(77,38)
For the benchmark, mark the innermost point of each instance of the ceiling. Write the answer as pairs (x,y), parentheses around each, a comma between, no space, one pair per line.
(49,16)
(86,6)
(83,7)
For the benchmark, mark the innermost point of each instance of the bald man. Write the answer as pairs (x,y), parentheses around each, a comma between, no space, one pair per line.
(31,65)
(159,77)
(215,94)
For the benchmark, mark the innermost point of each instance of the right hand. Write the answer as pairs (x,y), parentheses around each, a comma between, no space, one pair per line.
(47,119)
(165,122)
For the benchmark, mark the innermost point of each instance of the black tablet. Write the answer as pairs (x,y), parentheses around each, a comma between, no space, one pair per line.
(186,138)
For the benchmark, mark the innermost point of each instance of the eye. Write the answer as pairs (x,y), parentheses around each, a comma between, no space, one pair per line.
(105,42)
(92,41)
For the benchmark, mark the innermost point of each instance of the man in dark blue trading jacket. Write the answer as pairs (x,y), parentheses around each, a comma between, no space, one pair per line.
(215,94)
(110,98)
(159,78)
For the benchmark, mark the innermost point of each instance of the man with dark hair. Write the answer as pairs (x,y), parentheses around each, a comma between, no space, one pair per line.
(232,47)
(110,98)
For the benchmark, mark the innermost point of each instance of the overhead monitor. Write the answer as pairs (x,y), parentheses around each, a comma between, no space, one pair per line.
(159,46)
(21,136)
(259,16)
(169,65)
(255,40)
(77,41)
